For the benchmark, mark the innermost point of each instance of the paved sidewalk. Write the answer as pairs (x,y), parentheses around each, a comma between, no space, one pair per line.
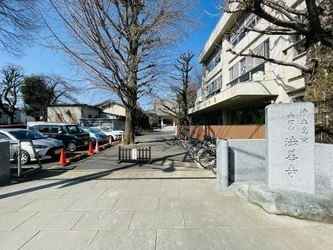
(99,212)
(144,214)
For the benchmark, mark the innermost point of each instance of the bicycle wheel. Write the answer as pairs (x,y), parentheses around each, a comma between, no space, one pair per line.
(203,158)
(193,151)
(206,158)
(212,164)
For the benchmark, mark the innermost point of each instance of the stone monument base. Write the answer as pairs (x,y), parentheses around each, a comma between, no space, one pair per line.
(315,207)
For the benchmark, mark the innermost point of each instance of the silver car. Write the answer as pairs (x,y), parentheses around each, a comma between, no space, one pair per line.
(114,135)
(45,148)
(96,135)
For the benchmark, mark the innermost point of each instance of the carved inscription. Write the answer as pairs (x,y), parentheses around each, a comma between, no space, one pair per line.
(291,146)
(296,121)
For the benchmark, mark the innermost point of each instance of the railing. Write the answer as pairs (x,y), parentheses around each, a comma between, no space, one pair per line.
(134,155)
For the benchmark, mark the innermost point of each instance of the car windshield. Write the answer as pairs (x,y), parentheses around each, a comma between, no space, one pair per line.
(26,135)
(106,129)
(94,130)
(73,129)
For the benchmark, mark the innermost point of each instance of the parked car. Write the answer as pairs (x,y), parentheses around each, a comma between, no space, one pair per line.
(114,134)
(137,130)
(111,129)
(45,148)
(71,134)
(96,135)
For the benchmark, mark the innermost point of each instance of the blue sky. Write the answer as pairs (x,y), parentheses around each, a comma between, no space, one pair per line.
(38,60)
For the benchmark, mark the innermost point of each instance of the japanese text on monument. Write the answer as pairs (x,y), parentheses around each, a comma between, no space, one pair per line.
(296,136)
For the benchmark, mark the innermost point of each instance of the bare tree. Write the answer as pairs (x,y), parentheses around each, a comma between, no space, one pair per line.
(18,22)
(313,25)
(39,91)
(120,43)
(10,89)
(183,88)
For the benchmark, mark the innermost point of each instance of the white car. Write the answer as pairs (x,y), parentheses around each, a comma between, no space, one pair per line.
(114,134)
(117,132)
(110,129)
(45,148)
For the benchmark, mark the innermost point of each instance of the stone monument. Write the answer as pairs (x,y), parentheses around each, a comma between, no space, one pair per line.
(290,140)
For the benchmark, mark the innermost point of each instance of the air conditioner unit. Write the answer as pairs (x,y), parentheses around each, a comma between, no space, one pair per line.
(258,76)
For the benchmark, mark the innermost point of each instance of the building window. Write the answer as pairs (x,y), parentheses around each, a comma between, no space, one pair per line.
(298,44)
(214,59)
(242,66)
(234,71)
(298,40)
(243,69)
(214,87)
(248,20)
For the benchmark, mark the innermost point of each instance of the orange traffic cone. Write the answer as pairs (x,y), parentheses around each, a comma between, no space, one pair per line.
(63,161)
(90,151)
(110,140)
(97,147)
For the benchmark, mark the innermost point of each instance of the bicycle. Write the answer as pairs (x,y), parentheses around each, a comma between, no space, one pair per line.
(207,155)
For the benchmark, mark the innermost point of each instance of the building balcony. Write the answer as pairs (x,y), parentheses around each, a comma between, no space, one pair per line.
(237,94)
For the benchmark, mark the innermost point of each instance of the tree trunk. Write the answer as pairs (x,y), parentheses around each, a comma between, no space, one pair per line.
(10,118)
(129,125)
(319,90)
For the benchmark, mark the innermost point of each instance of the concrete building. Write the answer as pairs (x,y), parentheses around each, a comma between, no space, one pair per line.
(19,117)
(112,108)
(236,90)
(108,113)
(71,112)
(163,113)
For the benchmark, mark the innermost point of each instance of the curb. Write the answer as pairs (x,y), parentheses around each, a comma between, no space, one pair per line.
(85,155)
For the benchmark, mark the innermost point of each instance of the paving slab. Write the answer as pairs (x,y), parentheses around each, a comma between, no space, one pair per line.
(43,205)
(9,221)
(10,240)
(55,221)
(188,239)
(124,239)
(157,219)
(104,220)
(95,204)
(136,203)
(54,240)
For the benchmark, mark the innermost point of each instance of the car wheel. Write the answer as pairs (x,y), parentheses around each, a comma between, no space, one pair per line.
(25,157)
(71,147)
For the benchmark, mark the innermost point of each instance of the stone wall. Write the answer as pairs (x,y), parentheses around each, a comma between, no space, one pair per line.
(324,166)
(246,161)
(4,163)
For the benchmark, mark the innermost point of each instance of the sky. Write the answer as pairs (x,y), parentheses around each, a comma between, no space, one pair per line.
(40,60)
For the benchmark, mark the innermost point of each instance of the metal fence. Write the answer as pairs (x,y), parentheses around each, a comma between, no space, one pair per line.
(134,155)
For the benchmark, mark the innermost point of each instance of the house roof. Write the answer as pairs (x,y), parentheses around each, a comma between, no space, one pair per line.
(108,102)
(80,105)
